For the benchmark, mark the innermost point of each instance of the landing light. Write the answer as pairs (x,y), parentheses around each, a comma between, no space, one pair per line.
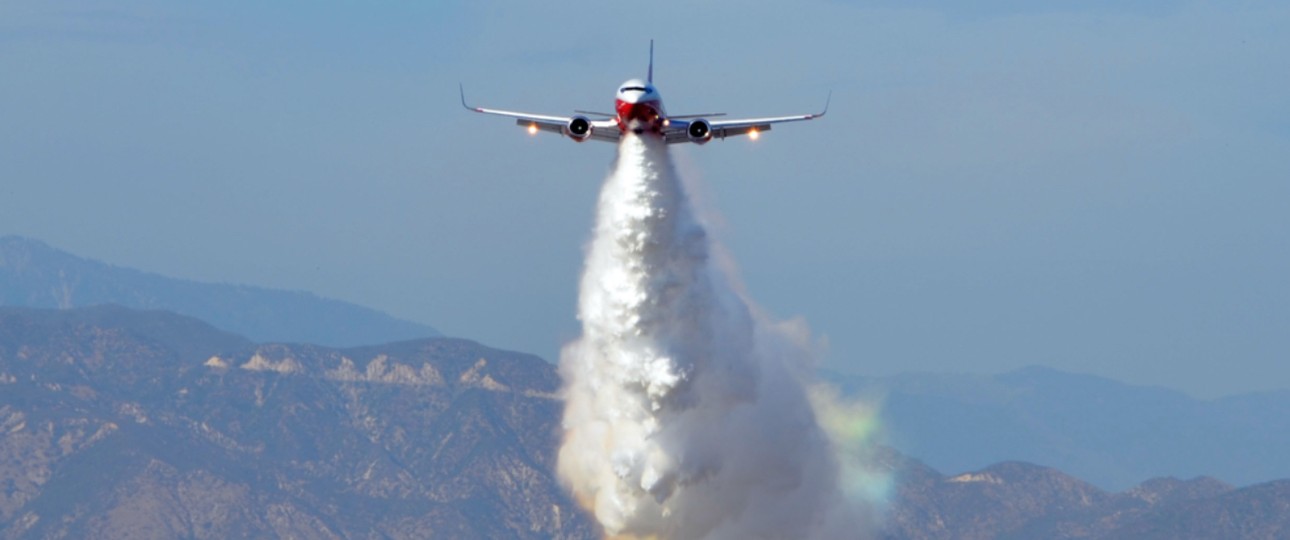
(532,129)
(753,134)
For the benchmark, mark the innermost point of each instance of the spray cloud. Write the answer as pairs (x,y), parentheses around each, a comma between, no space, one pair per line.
(687,414)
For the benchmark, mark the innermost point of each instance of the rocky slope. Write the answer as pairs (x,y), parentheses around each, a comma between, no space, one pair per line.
(1019,501)
(116,423)
(120,423)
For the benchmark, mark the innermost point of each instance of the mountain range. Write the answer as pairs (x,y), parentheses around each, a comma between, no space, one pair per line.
(1108,433)
(33,274)
(1022,501)
(329,420)
(121,423)
(145,424)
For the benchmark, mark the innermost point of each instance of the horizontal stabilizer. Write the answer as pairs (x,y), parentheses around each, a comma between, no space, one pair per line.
(689,116)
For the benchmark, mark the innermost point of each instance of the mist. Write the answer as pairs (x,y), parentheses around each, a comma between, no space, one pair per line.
(689,414)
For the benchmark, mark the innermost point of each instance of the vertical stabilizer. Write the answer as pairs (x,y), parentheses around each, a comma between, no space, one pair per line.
(650,77)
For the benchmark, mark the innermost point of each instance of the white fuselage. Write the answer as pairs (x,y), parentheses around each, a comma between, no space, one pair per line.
(639,107)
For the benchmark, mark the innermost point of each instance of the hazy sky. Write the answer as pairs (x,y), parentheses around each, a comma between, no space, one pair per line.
(1091,187)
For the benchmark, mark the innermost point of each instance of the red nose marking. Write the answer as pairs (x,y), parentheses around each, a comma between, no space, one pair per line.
(644,113)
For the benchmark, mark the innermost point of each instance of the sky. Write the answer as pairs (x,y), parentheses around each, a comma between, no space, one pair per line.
(1099,187)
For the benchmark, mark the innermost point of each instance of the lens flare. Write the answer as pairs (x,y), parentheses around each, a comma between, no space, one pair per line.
(855,430)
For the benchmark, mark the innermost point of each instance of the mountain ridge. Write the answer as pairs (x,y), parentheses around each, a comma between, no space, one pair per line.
(111,432)
(1109,433)
(128,423)
(34,274)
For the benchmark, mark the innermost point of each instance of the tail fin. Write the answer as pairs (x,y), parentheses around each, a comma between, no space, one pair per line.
(650,78)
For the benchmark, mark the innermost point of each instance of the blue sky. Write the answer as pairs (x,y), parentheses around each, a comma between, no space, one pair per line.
(1082,185)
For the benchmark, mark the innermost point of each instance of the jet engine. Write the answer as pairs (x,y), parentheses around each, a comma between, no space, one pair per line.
(700,131)
(579,128)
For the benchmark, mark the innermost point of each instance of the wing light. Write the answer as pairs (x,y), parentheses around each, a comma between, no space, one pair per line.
(533,129)
(753,134)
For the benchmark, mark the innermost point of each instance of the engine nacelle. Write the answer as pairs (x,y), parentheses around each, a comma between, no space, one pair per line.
(579,128)
(700,131)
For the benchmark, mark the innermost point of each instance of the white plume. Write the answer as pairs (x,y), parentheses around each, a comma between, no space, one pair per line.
(687,416)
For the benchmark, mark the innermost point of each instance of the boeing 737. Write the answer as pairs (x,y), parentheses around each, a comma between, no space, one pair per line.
(639,108)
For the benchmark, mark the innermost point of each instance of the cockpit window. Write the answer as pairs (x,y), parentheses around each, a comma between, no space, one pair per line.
(636,88)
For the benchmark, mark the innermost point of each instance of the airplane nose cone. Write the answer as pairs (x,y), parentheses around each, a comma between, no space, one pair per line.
(637,112)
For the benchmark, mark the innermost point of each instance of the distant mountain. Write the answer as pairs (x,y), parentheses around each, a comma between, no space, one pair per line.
(33,274)
(1021,501)
(1108,433)
(119,423)
(125,424)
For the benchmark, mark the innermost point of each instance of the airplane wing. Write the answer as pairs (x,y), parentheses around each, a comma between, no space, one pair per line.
(601,130)
(677,131)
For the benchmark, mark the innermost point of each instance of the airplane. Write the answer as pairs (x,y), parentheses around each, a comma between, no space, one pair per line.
(639,108)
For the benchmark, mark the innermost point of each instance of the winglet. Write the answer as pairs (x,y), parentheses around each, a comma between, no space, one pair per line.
(462,89)
(650,77)
(826,105)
